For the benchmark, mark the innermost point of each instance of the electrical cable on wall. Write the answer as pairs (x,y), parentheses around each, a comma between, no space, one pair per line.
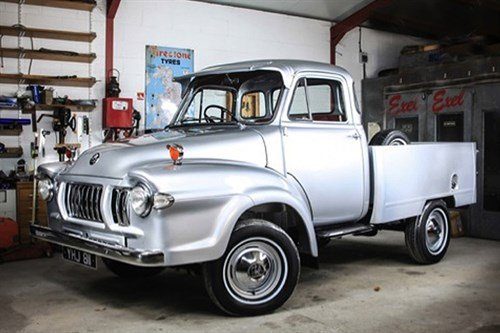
(360,50)
(90,118)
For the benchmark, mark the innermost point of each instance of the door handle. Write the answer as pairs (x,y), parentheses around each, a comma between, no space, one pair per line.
(355,136)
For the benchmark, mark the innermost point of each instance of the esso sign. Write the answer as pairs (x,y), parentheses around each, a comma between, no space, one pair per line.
(444,99)
(399,104)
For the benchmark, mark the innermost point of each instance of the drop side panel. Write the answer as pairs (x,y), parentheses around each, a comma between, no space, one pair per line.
(405,177)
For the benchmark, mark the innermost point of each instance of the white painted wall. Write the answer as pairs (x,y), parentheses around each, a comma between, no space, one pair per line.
(218,34)
(56,19)
(383,50)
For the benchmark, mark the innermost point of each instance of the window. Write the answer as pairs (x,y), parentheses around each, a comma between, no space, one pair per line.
(298,108)
(318,100)
(253,105)
(210,106)
(211,99)
(275,97)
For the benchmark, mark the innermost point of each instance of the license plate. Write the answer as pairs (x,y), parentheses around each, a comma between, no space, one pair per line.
(80,257)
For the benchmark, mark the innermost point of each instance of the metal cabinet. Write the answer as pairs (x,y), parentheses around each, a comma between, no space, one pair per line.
(457,113)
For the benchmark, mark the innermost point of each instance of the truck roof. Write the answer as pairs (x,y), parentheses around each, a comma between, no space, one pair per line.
(287,67)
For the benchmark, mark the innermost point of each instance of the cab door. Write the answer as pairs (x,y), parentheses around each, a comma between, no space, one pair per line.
(323,149)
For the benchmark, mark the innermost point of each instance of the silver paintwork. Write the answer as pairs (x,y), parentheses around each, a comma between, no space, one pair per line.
(406,177)
(319,169)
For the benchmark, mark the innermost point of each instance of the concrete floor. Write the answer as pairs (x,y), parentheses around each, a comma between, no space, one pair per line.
(460,294)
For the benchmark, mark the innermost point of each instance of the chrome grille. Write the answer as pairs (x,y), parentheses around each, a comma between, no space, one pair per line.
(83,201)
(119,206)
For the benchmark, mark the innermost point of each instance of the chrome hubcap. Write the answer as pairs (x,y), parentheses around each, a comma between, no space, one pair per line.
(255,270)
(436,228)
(398,142)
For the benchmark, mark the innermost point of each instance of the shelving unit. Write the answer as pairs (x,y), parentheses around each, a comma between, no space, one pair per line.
(46,33)
(46,55)
(66,4)
(11,132)
(14,152)
(47,80)
(73,108)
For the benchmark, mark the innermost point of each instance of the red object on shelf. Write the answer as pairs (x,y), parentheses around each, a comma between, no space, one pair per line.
(117,112)
(9,233)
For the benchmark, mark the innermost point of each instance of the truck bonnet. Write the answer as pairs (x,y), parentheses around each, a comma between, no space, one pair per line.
(115,160)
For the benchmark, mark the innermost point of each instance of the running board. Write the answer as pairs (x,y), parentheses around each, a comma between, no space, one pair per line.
(344,230)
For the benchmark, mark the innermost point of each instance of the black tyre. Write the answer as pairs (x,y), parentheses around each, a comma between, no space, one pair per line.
(389,137)
(130,271)
(257,273)
(427,236)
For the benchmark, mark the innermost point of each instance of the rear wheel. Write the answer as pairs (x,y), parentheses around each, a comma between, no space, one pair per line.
(130,271)
(257,273)
(428,235)
(389,137)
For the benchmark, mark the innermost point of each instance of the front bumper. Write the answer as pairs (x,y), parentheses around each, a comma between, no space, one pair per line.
(116,252)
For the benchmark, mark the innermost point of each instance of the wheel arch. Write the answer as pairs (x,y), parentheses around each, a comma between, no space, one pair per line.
(290,218)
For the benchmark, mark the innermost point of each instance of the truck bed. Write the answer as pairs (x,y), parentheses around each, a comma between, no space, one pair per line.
(405,177)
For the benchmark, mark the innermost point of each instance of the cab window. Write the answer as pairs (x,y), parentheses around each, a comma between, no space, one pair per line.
(318,100)
(253,105)
(299,108)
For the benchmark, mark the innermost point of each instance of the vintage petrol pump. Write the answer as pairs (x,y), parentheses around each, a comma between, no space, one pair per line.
(118,113)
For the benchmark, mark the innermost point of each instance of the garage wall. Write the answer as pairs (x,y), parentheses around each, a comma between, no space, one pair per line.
(218,34)
(383,50)
(55,19)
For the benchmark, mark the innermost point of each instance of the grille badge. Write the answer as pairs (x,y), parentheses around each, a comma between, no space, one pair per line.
(94,159)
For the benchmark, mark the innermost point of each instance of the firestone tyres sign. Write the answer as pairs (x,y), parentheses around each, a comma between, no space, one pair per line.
(162,94)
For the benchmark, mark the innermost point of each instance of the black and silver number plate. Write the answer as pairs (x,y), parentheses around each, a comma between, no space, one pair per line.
(80,257)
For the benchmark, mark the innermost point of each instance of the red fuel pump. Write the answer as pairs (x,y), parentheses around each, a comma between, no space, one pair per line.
(118,113)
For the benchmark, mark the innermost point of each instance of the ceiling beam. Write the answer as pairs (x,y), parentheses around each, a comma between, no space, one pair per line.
(439,30)
(111,9)
(421,27)
(338,31)
(489,4)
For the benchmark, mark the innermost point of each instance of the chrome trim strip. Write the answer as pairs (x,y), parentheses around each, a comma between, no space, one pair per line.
(151,258)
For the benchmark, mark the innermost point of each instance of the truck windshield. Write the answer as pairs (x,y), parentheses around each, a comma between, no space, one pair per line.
(244,97)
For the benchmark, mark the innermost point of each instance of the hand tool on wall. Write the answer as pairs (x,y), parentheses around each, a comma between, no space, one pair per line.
(62,119)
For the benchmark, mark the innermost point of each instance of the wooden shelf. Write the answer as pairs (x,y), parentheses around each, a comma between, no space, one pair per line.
(72,107)
(11,132)
(13,108)
(66,4)
(47,80)
(45,33)
(12,153)
(46,55)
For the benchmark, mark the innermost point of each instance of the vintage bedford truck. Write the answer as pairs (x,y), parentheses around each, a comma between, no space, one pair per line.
(263,162)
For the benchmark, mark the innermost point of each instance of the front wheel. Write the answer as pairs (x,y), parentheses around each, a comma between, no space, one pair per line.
(428,235)
(257,273)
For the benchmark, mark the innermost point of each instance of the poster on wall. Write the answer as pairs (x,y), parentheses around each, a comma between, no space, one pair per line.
(162,94)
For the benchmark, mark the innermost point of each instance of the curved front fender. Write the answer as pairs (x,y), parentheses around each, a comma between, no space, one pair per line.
(210,196)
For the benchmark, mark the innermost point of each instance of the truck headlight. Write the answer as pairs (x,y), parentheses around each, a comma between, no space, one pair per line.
(46,189)
(140,200)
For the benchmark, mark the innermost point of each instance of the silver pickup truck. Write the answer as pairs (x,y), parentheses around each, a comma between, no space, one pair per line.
(263,162)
